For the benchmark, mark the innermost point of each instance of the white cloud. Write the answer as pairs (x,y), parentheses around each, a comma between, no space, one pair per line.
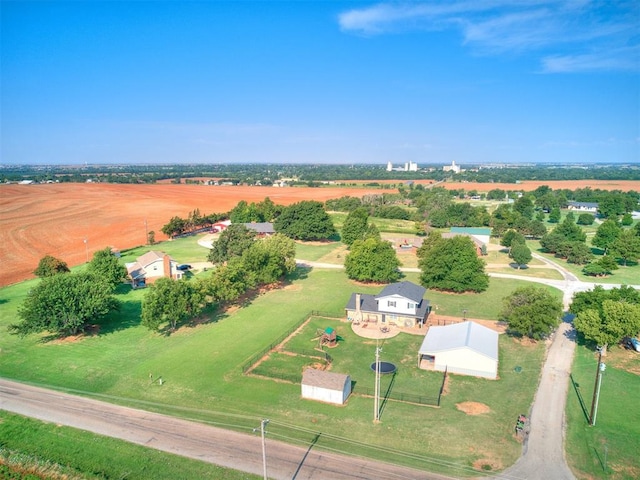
(576,35)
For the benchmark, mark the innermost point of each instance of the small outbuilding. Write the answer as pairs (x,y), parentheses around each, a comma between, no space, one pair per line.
(326,387)
(466,348)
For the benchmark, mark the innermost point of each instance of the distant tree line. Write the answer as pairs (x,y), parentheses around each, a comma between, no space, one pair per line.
(306,174)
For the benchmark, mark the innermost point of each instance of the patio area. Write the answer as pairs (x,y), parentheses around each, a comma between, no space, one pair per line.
(382,330)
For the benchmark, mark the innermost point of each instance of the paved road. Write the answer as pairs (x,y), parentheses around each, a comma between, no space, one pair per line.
(202,442)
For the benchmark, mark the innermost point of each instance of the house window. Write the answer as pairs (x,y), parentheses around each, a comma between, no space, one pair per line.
(391,303)
(411,306)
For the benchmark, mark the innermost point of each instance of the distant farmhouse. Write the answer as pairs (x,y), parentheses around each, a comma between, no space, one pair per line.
(263,229)
(408,167)
(150,267)
(451,168)
(401,304)
(589,207)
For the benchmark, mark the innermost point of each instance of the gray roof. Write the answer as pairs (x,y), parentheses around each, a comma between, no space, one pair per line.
(369,303)
(262,227)
(404,289)
(461,335)
(322,379)
(584,204)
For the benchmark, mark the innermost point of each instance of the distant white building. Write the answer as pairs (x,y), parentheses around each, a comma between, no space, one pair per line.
(407,167)
(451,168)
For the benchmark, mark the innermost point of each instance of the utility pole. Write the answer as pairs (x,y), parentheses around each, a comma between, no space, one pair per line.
(376,395)
(146,232)
(263,424)
(596,389)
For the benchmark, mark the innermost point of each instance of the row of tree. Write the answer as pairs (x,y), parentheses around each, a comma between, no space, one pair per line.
(242,266)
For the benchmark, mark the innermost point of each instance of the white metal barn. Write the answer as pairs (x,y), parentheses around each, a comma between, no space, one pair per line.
(326,387)
(465,348)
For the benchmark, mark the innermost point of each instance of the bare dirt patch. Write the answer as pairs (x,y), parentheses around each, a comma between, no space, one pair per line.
(473,408)
(55,219)
(487,464)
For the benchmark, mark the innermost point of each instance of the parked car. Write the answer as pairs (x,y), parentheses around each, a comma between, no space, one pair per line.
(631,343)
(183,267)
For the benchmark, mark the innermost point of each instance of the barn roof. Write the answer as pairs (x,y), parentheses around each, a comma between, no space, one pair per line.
(461,335)
(322,379)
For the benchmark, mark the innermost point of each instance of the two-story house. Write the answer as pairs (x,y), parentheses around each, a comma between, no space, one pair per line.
(400,304)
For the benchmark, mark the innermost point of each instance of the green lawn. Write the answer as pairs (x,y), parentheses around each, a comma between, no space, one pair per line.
(201,367)
(616,434)
(624,275)
(182,250)
(52,450)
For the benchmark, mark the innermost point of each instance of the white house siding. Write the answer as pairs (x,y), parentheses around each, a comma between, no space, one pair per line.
(460,360)
(402,304)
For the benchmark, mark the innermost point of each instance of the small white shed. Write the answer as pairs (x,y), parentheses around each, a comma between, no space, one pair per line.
(466,348)
(326,387)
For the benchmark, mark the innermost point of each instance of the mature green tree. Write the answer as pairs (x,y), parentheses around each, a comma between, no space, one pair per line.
(626,247)
(627,219)
(536,229)
(372,260)
(428,243)
(232,242)
(271,258)
(521,254)
(228,282)
(586,219)
(578,253)
(636,229)
(306,220)
(176,226)
(168,302)
(570,231)
(552,242)
(524,206)
(453,265)
(602,267)
(612,205)
(49,266)
(106,265)
(606,234)
(593,299)
(554,215)
(432,206)
(532,311)
(343,204)
(64,305)
(511,238)
(610,323)
(355,226)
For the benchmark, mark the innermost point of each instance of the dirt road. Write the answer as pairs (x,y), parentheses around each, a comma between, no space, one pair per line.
(201,442)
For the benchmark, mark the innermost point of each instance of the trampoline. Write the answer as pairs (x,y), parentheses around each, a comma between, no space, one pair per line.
(385,367)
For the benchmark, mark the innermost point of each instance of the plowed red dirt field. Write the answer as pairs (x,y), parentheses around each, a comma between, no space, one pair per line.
(55,219)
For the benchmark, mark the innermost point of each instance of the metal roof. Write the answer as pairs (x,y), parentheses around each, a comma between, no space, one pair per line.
(461,335)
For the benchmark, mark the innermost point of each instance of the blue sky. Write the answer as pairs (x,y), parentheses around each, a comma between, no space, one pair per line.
(475,81)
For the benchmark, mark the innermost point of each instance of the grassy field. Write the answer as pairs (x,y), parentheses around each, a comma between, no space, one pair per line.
(610,448)
(201,367)
(34,449)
